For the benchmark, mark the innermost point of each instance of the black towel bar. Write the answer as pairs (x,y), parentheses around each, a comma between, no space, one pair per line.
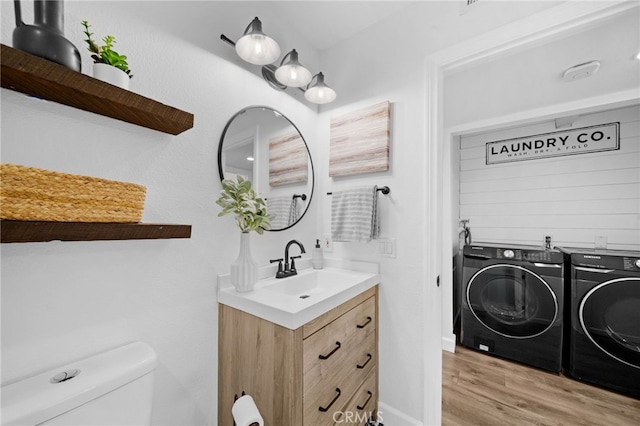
(303,196)
(385,190)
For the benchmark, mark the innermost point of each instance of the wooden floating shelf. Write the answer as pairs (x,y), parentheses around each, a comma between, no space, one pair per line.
(48,80)
(16,231)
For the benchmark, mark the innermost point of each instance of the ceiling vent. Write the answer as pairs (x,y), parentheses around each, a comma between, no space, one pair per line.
(581,71)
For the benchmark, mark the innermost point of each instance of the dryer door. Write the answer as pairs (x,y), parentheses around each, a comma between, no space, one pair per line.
(610,317)
(512,301)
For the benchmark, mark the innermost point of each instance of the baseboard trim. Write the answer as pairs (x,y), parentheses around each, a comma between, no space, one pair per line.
(449,343)
(393,417)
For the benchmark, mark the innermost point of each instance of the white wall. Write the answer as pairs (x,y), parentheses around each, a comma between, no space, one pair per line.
(66,300)
(385,62)
(572,198)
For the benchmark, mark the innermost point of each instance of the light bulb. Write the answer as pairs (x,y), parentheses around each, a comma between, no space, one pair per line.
(292,73)
(320,93)
(256,47)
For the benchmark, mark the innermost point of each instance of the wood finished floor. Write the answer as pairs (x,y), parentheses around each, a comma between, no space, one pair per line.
(479,389)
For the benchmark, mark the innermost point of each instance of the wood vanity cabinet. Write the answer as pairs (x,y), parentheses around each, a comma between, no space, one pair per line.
(322,373)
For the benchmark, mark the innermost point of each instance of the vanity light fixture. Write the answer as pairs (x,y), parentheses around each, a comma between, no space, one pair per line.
(319,92)
(292,73)
(257,48)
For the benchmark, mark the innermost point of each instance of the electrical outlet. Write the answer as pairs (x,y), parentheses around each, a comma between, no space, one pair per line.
(548,241)
(327,243)
(601,242)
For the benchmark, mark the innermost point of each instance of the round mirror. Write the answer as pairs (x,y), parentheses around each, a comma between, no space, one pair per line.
(262,145)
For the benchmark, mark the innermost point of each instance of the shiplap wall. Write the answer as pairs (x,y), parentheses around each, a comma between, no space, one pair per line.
(572,198)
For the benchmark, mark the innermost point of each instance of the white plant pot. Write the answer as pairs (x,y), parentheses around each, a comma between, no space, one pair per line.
(111,75)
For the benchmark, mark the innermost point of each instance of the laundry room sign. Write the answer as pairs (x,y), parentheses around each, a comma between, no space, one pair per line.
(603,137)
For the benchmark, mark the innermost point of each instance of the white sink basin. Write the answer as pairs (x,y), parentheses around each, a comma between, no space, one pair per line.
(293,301)
(312,283)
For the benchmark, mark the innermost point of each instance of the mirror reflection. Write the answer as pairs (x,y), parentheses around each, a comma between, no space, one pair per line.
(262,145)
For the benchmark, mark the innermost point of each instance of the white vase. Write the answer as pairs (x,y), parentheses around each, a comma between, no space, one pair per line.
(111,74)
(244,270)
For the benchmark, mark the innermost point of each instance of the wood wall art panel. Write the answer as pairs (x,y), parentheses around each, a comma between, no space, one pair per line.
(360,141)
(288,160)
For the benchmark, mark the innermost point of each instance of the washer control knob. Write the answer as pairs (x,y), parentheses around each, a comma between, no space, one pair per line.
(638,263)
(509,254)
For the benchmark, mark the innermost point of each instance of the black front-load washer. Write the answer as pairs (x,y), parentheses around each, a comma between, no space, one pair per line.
(604,336)
(512,303)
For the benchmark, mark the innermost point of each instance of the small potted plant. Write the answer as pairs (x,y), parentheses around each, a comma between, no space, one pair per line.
(108,65)
(250,211)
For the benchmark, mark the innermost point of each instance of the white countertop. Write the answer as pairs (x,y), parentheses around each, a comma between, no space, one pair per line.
(292,311)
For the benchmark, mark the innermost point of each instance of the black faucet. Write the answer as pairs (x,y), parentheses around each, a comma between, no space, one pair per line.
(289,269)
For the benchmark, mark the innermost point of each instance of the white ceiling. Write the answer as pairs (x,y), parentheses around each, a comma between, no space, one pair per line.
(326,23)
(531,77)
(322,26)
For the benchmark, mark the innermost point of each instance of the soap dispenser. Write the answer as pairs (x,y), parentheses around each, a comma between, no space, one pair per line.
(317,258)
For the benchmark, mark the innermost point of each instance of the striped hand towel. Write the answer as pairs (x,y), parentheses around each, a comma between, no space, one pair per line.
(279,209)
(294,211)
(354,214)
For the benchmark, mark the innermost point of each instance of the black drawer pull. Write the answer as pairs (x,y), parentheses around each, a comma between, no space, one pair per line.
(369,319)
(366,362)
(325,409)
(330,353)
(361,407)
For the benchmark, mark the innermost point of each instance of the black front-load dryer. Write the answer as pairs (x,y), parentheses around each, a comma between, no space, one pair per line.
(512,303)
(604,336)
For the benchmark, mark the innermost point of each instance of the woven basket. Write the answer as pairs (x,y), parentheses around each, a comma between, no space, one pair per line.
(28,193)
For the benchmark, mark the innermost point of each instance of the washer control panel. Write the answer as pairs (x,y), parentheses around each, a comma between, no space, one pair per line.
(630,264)
(533,256)
(604,261)
(543,256)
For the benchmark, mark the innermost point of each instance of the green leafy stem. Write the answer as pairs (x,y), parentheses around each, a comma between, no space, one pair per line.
(250,211)
(105,54)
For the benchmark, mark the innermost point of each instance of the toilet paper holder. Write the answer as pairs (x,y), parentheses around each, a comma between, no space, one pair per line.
(235,398)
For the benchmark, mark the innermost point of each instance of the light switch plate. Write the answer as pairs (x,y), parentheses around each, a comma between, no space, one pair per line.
(387,247)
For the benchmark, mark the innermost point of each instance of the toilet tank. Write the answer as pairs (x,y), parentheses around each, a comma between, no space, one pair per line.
(110,388)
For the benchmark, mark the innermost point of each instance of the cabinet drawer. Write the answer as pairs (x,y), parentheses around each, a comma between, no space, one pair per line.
(355,325)
(337,360)
(347,373)
(347,340)
(325,404)
(363,404)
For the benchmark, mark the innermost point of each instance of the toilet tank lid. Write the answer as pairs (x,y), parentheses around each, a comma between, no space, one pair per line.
(36,399)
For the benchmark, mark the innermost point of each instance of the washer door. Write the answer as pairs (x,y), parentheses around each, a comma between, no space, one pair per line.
(512,301)
(610,317)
